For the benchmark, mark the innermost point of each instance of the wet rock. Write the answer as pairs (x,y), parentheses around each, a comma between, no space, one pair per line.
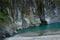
(4,32)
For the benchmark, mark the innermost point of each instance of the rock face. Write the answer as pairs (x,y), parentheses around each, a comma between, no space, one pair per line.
(28,13)
(21,14)
(31,14)
(51,11)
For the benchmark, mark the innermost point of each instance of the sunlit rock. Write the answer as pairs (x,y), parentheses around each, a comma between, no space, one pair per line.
(51,11)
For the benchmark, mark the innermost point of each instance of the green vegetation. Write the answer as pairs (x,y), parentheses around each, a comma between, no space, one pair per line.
(3,11)
(3,15)
(3,5)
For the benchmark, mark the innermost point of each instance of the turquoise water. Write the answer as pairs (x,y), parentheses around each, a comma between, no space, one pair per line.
(41,28)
